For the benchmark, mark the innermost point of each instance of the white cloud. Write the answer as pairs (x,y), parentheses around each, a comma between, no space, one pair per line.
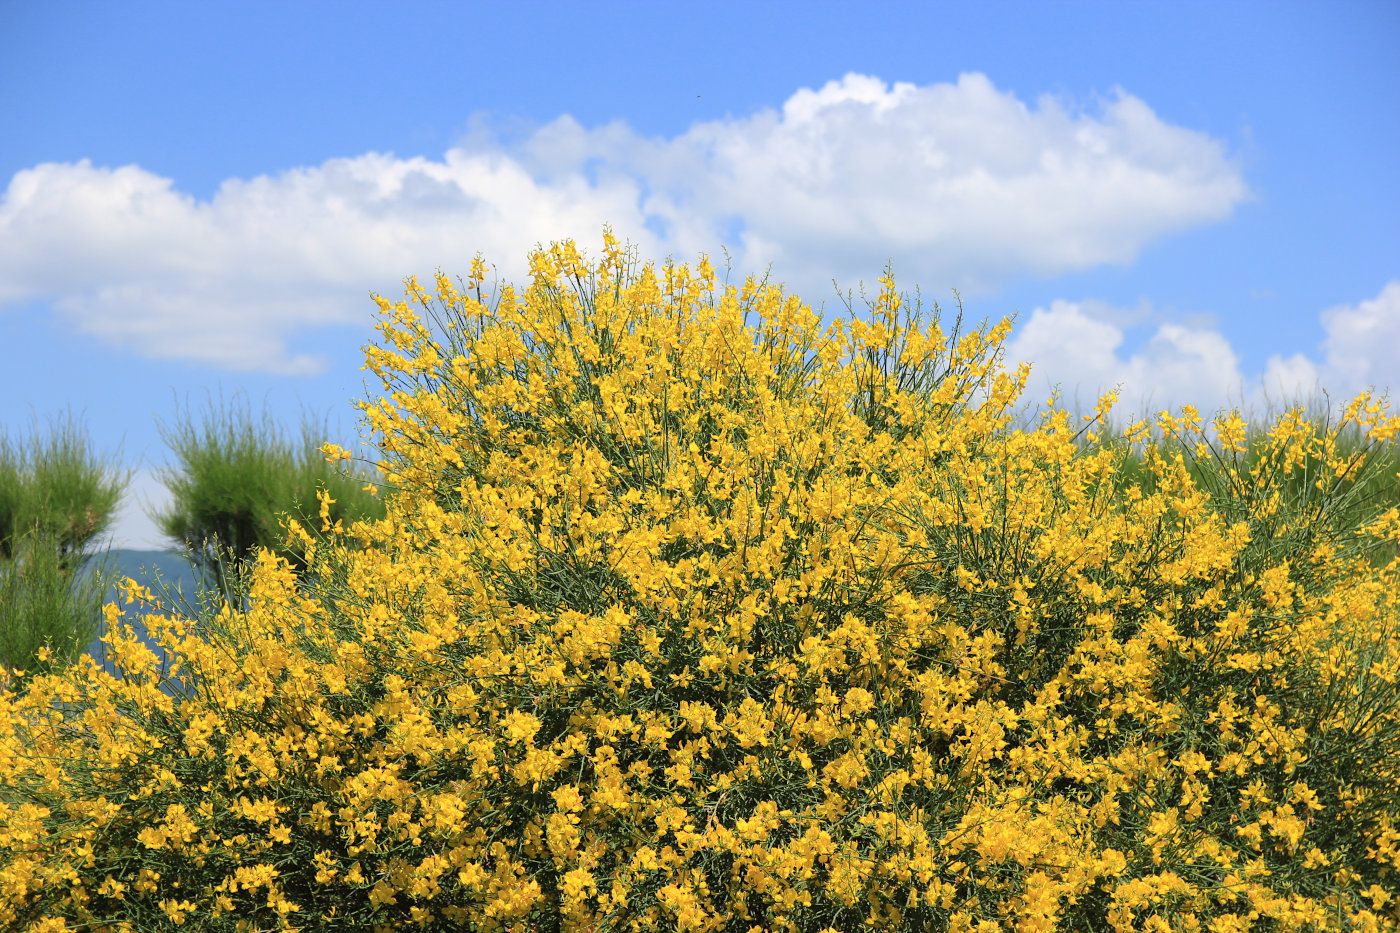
(962,182)
(227,282)
(1361,351)
(1077,347)
(1078,350)
(959,183)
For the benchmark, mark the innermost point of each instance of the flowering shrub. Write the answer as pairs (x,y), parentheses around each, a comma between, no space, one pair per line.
(678,623)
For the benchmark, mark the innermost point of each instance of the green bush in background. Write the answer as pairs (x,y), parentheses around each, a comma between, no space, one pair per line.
(57,488)
(56,498)
(238,477)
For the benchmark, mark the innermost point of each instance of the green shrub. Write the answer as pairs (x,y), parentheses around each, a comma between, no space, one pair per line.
(55,487)
(48,613)
(678,623)
(56,497)
(237,477)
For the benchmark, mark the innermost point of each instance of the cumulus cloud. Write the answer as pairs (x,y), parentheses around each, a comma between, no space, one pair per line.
(1361,351)
(1077,346)
(960,184)
(226,282)
(1071,346)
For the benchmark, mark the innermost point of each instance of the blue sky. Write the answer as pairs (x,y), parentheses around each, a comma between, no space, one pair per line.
(1198,201)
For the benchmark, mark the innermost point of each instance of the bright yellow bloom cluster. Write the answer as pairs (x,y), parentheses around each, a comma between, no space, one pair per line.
(677,622)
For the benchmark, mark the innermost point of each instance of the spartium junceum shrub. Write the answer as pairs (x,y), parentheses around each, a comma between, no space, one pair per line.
(682,622)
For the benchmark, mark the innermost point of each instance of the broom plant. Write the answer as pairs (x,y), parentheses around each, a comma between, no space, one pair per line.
(676,621)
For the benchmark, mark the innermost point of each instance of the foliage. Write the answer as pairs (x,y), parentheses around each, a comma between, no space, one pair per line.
(49,612)
(237,477)
(1352,495)
(678,623)
(57,488)
(56,497)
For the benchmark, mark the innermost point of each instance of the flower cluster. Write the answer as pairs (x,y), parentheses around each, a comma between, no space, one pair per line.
(676,622)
